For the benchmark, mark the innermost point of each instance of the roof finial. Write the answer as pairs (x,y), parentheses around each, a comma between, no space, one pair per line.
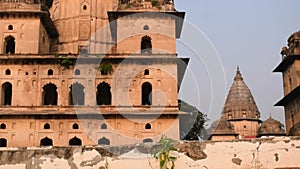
(238,74)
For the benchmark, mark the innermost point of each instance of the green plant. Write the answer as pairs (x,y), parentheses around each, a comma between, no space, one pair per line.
(155,3)
(163,154)
(105,68)
(66,62)
(192,125)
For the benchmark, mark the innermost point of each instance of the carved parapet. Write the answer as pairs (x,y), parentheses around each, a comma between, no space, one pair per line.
(146,5)
(19,6)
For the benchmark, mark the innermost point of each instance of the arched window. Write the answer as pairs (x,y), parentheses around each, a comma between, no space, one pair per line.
(146,94)
(10,45)
(3,142)
(103,141)
(76,94)
(3,126)
(103,126)
(75,126)
(146,27)
(77,72)
(148,126)
(146,72)
(84,7)
(75,142)
(50,94)
(103,94)
(7,72)
(148,140)
(6,93)
(146,45)
(46,142)
(10,27)
(47,126)
(50,72)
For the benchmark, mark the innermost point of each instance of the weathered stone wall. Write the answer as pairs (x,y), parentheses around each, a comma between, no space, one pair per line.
(278,152)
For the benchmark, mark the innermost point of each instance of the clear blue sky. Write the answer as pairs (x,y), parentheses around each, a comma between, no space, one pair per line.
(245,33)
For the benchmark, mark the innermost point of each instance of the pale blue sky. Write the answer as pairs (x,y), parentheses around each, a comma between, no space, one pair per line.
(245,33)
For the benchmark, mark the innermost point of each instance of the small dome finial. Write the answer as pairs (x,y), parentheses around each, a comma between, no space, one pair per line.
(238,74)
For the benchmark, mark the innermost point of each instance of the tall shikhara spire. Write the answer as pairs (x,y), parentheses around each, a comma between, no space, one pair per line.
(240,103)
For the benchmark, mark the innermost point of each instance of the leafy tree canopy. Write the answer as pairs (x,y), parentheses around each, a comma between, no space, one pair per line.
(191,124)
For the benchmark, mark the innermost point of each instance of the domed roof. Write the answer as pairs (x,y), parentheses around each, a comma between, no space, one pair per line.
(221,127)
(295,130)
(295,35)
(240,103)
(271,127)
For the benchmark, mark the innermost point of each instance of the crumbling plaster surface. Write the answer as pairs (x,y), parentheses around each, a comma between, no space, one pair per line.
(278,152)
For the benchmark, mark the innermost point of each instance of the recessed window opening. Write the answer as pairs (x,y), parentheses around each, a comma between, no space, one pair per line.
(50,94)
(50,72)
(46,142)
(148,126)
(77,72)
(103,126)
(47,126)
(3,126)
(75,126)
(146,45)
(7,72)
(146,27)
(9,45)
(6,94)
(146,94)
(75,142)
(103,94)
(146,72)
(10,27)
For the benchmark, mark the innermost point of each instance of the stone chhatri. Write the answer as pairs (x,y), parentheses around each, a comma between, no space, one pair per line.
(240,103)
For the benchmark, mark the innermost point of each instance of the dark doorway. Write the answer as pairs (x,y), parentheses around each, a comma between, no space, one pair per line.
(50,94)
(10,45)
(146,94)
(46,142)
(146,45)
(3,142)
(75,142)
(76,95)
(148,140)
(103,141)
(103,94)
(6,93)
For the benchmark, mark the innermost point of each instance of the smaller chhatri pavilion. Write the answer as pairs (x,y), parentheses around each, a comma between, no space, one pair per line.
(241,117)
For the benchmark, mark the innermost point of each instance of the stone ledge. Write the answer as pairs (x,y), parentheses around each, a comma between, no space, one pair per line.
(272,152)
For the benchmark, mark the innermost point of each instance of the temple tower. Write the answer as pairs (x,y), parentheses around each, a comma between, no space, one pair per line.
(240,108)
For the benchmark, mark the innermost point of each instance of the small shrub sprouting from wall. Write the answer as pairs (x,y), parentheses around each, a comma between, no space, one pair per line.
(165,153)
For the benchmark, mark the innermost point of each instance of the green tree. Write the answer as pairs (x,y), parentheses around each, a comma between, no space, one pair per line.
(191,124)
